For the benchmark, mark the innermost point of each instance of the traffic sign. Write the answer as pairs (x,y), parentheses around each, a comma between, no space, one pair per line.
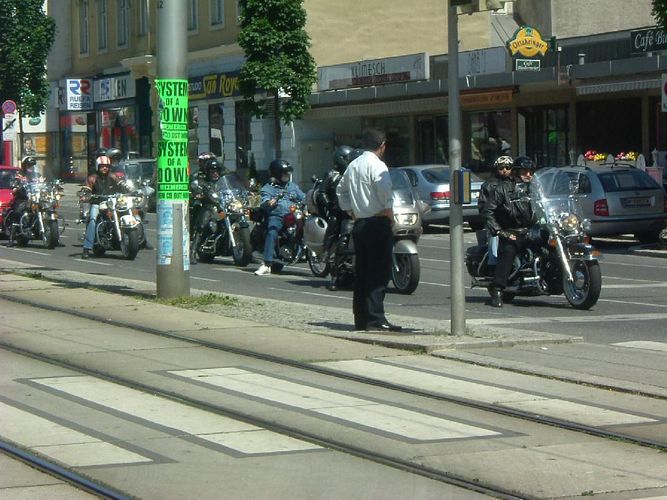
(9,106)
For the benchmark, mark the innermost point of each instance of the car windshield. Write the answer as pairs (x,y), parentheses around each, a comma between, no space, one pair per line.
(436,175)
(626,180)
(7,178)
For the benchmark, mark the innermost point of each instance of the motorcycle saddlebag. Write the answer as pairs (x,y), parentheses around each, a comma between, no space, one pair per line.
(474,256)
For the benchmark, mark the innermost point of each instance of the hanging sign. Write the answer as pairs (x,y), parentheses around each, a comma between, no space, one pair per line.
(527,42)
(172,162)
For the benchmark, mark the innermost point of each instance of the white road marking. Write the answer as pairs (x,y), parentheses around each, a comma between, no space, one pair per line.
(92,261)
(202,424)
(646,285)
(327,295)
(442,384)
(24,250)
(204,279)
(625,302)
(388,418)
(61,443)
(644,344)
(569,319)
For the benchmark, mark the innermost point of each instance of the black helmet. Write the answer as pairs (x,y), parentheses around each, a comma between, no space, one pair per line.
(279,167)
(28,163)
(211,165)
(100,152)
(523,162)
(341,157)
(114,154)
(203,158)
(356,153)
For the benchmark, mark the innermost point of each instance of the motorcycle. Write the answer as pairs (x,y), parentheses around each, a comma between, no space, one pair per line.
(407,228)
(141,195)
(227,231)
(40,220)
(558,258)
(118,225)
(290,247)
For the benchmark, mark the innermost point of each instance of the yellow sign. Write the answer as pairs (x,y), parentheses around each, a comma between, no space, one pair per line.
(528,42)
(500,97)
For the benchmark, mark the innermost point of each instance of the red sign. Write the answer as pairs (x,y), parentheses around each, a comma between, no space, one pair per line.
(9,106)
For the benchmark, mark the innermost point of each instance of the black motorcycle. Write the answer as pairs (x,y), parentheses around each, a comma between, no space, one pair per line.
(226,230)
(558,258)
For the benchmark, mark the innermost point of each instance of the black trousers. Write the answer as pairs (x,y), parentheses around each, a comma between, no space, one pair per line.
(507,250)
(373,242)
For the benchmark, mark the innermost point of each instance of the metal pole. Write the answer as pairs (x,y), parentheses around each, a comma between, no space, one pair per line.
(173,263)
(458,321)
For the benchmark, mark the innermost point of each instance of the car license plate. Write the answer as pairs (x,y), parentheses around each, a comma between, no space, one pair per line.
(637,202)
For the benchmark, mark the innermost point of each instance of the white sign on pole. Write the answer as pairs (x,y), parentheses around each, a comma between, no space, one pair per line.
(9,127)
(663,92)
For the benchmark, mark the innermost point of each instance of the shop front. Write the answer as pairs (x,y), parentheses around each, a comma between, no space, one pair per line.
(75,102)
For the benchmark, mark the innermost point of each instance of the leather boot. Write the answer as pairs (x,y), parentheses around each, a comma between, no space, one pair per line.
(496,297)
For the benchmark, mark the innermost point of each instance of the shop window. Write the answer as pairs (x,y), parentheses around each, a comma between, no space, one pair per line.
(193,138)
(243,137)
(397,129)
(546,136)
(215,123)
(490,136)
(118,129)
(432,140)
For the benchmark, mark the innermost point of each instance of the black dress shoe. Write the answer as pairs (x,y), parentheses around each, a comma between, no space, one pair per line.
(496,297)
(85,254)
(383,327)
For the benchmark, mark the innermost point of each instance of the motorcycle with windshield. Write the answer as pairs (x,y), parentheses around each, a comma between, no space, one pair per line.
(118,225)
(227,230)
(338,259)
(558,258)
(40,219)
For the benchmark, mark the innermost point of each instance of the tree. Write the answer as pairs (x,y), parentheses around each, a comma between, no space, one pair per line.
(26,36)
(275,43)
(660,12)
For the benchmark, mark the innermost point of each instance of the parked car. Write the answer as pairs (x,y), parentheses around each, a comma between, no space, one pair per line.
(7,176)
(617,199)
(431,183)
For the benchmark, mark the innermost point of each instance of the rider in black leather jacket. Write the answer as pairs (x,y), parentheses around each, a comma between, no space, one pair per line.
(508,214)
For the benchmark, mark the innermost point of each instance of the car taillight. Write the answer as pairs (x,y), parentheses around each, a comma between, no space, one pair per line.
(601,208)
(440,195)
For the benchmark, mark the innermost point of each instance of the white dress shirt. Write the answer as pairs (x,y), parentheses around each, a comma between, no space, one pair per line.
(365,187)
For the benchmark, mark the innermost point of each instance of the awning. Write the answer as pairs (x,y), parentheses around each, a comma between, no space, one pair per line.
(603,88)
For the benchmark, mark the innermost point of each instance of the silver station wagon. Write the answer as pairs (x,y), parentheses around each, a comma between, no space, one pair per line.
(617,199)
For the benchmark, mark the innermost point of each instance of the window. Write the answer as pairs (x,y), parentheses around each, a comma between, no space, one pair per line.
(143,18)
(192,15)
(123,27)
(102,25)
(83,27)
(217,13)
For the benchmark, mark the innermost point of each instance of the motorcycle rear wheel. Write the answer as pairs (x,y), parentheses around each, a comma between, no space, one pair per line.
(405,274)
(51,234)
(318,265)
(129,244)
(584,292)
(242,252)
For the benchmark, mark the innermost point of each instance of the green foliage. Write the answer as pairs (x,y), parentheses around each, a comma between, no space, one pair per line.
(275,43)
(660,12)
(26,36)
(200,301)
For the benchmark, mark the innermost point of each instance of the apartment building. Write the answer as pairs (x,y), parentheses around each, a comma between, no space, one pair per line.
(379,63)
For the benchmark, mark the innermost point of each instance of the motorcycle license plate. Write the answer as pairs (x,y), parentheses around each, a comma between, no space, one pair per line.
(644,201)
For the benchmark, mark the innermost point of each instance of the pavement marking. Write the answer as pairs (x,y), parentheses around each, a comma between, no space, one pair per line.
(571,319)
(646,285)
(442,384)
(61,443)
(625,302)
(24,250)
(644,344)
(631,279)
(204,425)
(91,261)
(204,279)
(384,417)
(327,295)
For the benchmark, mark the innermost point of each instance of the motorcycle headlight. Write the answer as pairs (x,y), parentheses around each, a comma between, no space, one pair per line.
(569,222)
(138,200)
(121,204)
(405,219)
(236,205)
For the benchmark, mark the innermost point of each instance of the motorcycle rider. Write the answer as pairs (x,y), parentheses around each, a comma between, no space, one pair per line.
(100,184)
(20,201)
(276,198)
(208,179)
(328,199)
(508,214)
(503,169)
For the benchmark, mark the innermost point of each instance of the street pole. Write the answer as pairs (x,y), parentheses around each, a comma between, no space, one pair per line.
(173,261)
(458,320)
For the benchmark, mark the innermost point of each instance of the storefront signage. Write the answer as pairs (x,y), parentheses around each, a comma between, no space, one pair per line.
(527,42)
(114,88)
(79,94)
(172,162)
(648,40)
(214,86)
(374,72)
(527,64)
(498,98)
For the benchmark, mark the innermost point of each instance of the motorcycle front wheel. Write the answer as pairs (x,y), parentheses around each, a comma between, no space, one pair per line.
(584,291)
(242,252)
(405,272)
(51,234)
(129,243)
(319,264)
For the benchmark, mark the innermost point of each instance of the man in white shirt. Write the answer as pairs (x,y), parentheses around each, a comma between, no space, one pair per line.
(366,191)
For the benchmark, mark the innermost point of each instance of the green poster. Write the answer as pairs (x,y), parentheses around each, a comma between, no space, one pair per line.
(172,160)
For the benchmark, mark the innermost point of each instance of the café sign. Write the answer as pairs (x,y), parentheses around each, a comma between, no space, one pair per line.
(527,42)
(648,40)
(374,72)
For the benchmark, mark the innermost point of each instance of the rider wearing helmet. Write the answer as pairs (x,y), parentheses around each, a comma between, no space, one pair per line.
(508,214)
(101,183)
(276,197)
(20,202)
(502,171)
